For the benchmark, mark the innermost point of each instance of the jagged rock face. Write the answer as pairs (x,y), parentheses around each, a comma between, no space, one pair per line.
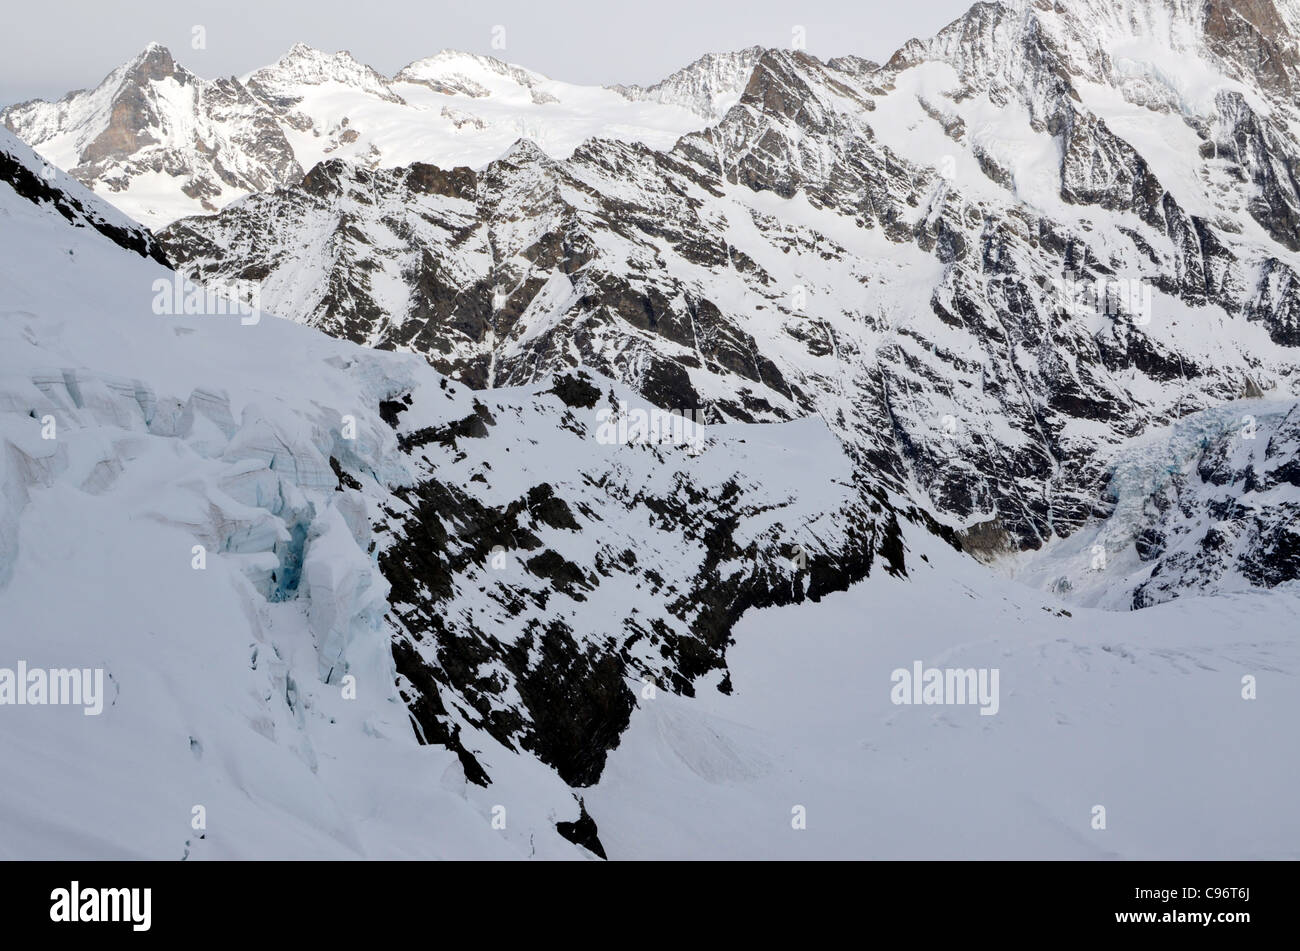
(1230,518)
(536,593)
(152,117)
(912,252)
(1204,505)
(1261,161)
(42,184)
(708,87)
(1253,35)
(302,68)
(151,121)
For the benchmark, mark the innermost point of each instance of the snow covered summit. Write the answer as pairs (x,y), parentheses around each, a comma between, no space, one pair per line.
(160,142)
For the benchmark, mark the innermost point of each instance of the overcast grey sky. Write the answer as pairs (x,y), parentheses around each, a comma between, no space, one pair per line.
(48,49)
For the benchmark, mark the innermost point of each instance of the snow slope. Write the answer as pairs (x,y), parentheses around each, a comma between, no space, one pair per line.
(302,464)
(172,432)
(1139,712)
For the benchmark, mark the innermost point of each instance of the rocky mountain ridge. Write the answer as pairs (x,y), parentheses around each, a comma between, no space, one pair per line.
(514,567)
(985,264)
(161,142)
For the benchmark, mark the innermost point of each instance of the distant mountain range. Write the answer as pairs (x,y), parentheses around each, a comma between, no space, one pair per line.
(161,142)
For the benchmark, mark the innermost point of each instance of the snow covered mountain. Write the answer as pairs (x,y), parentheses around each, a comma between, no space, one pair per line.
(160,142)
(498,575)
(985,264)
(1208,504)
(612,481)
(708,87)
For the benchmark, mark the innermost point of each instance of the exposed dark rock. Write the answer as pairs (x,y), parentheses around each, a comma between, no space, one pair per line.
(582,831)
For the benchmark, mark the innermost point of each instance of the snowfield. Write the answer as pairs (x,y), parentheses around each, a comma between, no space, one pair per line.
(433,568)
(1139,712)
(215,693)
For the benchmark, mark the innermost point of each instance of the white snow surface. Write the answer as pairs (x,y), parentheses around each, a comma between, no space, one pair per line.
(173,432)
(1138,712)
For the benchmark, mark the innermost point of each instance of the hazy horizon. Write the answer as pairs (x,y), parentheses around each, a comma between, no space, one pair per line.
(579,42)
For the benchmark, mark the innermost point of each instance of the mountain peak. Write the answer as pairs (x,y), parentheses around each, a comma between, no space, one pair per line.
(304,65)
(525,151)
(303,49)
(305,59)
(152,63)
(448,55)
(1156,52)
(305,53)
(457,72)
(709,86)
